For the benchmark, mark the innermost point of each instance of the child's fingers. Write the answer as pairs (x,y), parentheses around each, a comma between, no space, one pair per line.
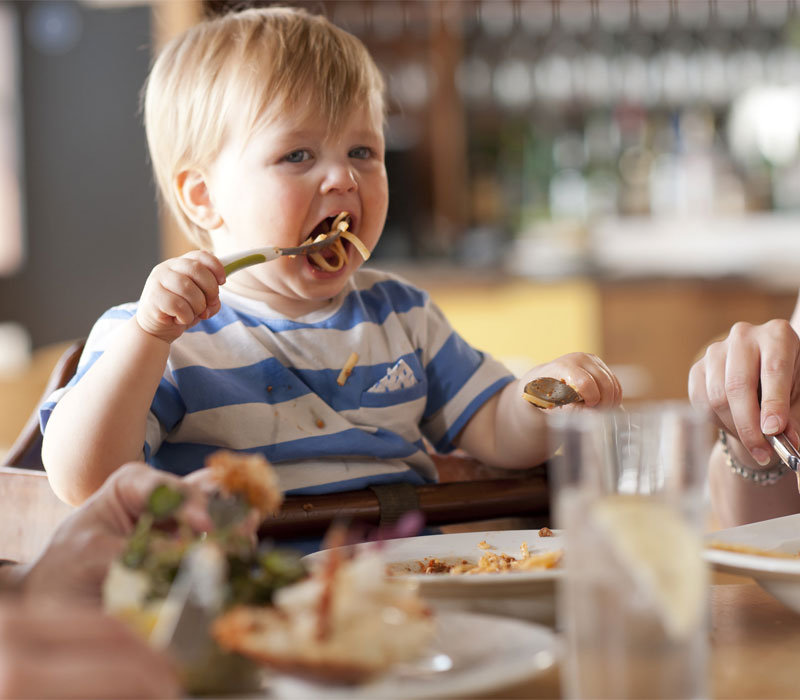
(211,262)
(177,285)
(178,293)
(217,268)
(200,274)
(211,309)
(176,306)
(611,389)
(586,385)
(594,381)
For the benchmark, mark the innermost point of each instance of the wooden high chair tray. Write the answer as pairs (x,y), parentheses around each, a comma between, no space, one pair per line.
(440,504)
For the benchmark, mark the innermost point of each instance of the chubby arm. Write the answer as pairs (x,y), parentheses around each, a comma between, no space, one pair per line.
(101,422)
(509,432)
(724,384)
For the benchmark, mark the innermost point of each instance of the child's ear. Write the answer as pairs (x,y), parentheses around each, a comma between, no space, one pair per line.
(195,199)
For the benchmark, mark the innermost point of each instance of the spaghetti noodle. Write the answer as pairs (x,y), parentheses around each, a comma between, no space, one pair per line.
(340,223)
(347,369)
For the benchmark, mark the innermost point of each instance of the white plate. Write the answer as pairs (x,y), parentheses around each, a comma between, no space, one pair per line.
(528,595)
(781,577)
(484,653)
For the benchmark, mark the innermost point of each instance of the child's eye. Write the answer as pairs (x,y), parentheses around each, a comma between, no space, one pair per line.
(297,156)
(362,152)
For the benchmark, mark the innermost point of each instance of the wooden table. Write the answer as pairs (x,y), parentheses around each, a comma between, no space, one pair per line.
(755,648)
(755,641)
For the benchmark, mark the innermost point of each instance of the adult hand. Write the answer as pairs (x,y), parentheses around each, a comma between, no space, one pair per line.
(725,383)
(207,481)
(59,651)
(75,562)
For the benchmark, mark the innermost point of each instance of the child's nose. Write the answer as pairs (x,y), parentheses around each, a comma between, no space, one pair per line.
(339,178)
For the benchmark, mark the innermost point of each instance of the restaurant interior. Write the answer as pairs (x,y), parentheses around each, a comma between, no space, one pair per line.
(612,177)
(620,177)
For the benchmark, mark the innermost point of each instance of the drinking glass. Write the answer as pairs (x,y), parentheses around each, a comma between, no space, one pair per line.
(629,491)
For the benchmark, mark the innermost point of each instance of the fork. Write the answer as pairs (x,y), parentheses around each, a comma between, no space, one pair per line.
(194,600)
(238,261)
(786,450)
(783,447)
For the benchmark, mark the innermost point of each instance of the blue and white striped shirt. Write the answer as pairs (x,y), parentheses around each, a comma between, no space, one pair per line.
(251,380)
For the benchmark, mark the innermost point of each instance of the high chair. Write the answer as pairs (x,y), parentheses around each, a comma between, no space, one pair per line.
(26,450)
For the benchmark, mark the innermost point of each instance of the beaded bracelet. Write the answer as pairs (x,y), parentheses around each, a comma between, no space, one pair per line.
(762,477)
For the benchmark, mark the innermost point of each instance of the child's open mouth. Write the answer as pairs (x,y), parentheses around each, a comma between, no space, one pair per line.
(330,256)
(334,257)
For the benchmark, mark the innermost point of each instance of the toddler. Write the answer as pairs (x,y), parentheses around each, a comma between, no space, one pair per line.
(263,126)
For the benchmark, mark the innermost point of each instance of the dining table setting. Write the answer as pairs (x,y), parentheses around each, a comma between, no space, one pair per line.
(630,594)
(751,633)
(630,590)
(498,635)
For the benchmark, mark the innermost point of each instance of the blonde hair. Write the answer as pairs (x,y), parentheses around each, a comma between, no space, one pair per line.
(241,69)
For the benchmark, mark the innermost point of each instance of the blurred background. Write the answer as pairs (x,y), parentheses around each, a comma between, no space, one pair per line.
(614,176)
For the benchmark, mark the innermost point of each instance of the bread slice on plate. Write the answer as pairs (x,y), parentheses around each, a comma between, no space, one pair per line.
(343,624)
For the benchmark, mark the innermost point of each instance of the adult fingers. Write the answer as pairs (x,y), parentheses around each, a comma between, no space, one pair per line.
(204,479)
(779,357)
(77,559)
(130,487)
(710,395)
(742,368)
(697,391)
